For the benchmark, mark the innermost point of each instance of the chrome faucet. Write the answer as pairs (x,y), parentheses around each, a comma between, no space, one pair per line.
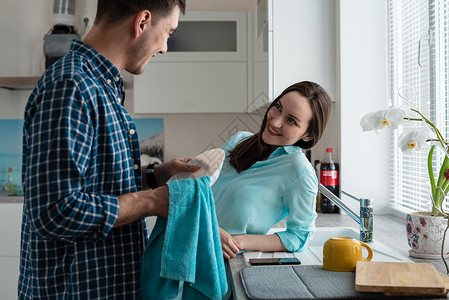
(365,219)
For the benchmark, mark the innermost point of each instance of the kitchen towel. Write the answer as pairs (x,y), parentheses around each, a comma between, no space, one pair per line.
(185,249)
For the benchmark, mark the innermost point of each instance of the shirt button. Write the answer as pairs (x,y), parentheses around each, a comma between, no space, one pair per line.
(108,81)
(116,78)
(135,166)
(131,131)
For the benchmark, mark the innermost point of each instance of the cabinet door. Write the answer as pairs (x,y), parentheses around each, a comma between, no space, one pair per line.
(301,41)
(205,71)
(208,36)
(9,276)
(10,224)
(195,87)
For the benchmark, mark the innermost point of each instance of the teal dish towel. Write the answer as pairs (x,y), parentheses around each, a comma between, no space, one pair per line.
(185,249)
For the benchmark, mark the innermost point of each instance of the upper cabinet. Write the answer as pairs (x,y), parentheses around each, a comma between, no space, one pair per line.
(208,36)
(300,38)
(234,62)
(204,71)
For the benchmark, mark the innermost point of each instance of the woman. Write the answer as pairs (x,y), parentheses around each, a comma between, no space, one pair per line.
(266,177)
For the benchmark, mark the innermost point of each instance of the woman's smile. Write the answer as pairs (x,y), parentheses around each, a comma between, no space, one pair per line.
(272,131)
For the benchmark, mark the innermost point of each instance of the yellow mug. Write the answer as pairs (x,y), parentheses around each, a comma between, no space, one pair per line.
(341,254)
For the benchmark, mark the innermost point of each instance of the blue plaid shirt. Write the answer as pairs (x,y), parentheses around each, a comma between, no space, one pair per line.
(80,150)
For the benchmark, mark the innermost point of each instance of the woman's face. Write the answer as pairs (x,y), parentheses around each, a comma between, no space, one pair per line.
(288,120)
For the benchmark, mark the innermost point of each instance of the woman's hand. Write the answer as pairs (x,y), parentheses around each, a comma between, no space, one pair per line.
(163,172)
(229,246)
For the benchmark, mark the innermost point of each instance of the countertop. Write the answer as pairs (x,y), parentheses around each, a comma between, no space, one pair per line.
(11,199)
(388,229)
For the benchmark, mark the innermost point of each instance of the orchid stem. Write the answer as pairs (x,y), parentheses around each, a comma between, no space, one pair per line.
(442,246)
(439,136)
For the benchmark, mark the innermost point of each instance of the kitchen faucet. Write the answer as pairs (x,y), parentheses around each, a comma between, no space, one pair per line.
(365,219)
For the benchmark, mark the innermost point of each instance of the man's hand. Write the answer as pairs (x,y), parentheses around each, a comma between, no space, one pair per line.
(229,246)
(163,172)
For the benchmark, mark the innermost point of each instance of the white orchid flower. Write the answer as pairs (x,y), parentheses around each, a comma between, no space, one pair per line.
(414,139)
(392,117)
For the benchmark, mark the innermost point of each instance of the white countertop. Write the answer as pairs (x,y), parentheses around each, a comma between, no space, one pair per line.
(11,199)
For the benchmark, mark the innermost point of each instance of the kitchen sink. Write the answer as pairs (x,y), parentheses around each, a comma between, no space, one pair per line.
(313,255)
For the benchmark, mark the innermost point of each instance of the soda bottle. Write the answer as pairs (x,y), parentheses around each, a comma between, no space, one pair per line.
(329,178)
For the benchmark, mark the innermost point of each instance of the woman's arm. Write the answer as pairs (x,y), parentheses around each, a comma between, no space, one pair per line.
(256,242)
(299,202)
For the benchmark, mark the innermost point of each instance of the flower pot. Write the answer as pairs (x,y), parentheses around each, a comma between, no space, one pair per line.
(425,235)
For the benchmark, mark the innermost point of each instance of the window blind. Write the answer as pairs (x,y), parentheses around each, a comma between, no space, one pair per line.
(418,75)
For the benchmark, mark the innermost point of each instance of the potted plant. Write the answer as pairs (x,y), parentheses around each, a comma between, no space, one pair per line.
(426,231)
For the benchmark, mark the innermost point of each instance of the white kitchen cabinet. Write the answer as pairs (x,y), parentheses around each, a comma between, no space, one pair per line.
(205,72)
(196,87)
(10,224)
(208,36)
(299,37)
(9,275)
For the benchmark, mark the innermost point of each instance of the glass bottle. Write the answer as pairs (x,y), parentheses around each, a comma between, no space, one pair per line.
(329,177)
(10,187)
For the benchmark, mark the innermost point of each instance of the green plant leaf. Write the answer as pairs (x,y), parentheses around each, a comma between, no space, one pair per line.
(443,170)
(439,195)
(430,170)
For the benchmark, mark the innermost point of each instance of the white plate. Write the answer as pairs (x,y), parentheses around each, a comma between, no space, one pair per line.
(210,161)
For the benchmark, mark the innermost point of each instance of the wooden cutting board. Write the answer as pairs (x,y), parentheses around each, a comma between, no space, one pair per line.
(400,278)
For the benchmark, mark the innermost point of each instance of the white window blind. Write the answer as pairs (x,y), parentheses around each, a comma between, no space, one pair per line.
(418,70)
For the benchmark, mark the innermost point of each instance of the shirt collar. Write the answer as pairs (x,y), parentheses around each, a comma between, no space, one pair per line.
(285,150)
(101,64)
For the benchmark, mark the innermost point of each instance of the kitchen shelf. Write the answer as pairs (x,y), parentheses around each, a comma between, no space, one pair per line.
(18,83)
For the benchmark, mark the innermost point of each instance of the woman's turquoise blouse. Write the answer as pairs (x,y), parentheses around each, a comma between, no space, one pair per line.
(256,199)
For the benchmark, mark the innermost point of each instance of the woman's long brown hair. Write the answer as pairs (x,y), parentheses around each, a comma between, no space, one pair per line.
(253,148)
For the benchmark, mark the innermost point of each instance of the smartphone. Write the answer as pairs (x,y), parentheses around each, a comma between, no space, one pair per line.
(274,261)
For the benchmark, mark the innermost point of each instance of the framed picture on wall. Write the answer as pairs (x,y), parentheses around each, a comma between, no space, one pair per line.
(151,138)
(11,157)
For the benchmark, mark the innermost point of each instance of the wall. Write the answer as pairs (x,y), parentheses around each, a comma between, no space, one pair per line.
(363,85)
(304,38)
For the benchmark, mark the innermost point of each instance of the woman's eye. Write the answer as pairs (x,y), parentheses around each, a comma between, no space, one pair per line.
(292,121)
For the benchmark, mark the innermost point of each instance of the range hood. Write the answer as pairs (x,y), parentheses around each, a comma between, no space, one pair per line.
(56,43)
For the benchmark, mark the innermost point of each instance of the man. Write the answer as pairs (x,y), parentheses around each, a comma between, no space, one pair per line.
(85,196)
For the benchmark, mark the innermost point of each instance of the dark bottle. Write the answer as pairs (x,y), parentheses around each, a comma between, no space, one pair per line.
(329,177)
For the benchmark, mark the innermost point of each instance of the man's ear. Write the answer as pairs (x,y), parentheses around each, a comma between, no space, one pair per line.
(141,22)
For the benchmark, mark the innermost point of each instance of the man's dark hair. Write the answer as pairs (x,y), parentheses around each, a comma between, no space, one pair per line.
(114,11)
